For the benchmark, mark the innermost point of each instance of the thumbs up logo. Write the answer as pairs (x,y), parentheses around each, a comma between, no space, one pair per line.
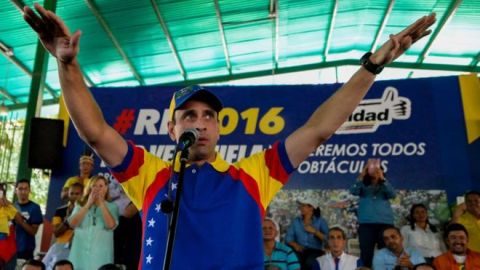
(371,113)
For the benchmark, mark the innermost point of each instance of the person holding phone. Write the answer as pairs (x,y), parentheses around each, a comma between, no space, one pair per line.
(374,210)
(7,236)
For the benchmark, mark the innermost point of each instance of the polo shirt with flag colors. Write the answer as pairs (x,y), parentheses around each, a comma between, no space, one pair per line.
(221,208)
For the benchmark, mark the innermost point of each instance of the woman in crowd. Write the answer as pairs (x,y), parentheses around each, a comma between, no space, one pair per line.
(307,233)
(93,220)
(421,234)
(374,210)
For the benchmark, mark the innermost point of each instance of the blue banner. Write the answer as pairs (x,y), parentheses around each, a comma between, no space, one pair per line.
(414,126)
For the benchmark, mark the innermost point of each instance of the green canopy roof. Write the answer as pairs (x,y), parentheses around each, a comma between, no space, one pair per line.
(128,43)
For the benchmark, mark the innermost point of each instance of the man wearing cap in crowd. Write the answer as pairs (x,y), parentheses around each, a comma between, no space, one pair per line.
(223,205)
(86,166)
(307,233)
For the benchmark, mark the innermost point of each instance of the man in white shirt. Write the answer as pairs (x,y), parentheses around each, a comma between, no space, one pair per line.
(336,258)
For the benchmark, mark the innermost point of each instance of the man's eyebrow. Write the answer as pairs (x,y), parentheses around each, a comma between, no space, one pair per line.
(188,112)
(210,111)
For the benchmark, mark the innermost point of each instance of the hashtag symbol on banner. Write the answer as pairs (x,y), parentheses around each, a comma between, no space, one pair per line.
(124,121)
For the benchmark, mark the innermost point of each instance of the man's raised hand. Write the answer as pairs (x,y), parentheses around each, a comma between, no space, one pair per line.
(399,43)
(53,33)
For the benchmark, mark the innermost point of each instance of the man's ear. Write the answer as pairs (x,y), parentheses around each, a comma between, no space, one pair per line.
(171,131)
(218,133)
(218,129)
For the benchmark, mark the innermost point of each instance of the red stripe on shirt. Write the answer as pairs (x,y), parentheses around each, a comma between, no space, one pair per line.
(274,164)
(250,185)
(133,168)
(160,180)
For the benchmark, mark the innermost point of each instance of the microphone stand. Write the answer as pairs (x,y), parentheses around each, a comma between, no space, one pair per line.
(173,221)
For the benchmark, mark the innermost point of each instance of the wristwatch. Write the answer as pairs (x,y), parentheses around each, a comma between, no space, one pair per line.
(368,65)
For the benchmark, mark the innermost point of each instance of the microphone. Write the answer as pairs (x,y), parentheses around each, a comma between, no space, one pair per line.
(166,206)
(187,139)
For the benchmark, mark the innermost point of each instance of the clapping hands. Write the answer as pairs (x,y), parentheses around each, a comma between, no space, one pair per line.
(97,197)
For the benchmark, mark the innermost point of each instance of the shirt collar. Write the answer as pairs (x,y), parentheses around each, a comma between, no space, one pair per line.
(393,254)
(219,164)
(427,229)
(340,257)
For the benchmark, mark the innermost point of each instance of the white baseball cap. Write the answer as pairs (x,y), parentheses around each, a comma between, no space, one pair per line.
(308,201)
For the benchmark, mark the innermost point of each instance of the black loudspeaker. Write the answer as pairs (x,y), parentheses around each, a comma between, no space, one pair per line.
(45,143)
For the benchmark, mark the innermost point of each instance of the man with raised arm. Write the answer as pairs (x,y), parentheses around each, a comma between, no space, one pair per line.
(222,206)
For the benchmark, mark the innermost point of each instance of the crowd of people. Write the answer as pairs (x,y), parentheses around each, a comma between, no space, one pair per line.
(84,228)
(417,245)
(382,245)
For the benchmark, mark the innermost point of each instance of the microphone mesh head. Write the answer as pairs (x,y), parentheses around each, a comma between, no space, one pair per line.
(193,131)
(188,138)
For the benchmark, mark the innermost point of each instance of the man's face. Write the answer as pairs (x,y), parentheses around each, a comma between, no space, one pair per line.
(393,240)
(74,193)
(472,202)
(86,168)
(457,242)
(336,242)
(269,230)
(22,191)
(200,116)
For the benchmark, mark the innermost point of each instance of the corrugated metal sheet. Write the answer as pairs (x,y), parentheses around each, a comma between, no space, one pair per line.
(181,42)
